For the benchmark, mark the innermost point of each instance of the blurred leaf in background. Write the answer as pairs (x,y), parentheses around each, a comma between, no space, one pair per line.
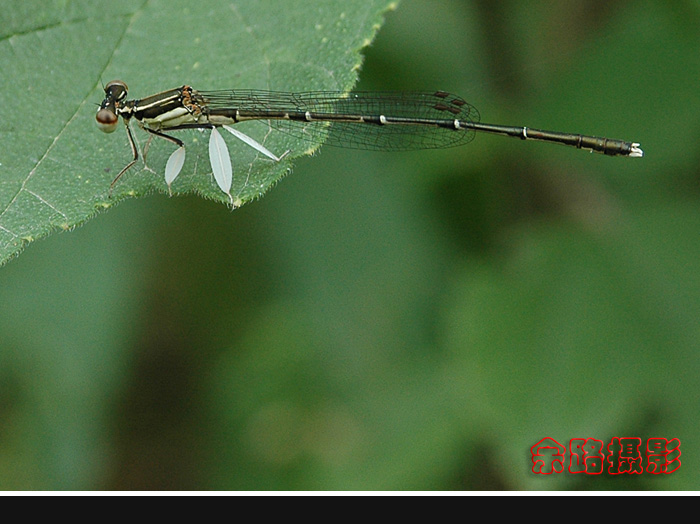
(389,321)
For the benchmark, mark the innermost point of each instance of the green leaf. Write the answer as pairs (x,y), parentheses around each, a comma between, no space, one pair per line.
(56,167)
(581,333)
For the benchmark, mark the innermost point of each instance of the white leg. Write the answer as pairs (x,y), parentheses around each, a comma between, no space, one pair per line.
(254,144)
(220,162)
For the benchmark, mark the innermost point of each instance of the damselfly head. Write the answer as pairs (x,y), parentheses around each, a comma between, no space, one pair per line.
(116,90)
(106,117)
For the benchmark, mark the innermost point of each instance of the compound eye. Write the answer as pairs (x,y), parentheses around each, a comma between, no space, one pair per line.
(116,89)
(106,120)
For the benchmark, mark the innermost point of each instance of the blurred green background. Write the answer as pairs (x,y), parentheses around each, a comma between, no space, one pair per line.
(392,321)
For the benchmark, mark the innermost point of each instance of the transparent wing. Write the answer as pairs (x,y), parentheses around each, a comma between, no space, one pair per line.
(428,119)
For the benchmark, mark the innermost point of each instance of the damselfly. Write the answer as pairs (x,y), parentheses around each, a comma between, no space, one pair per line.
(363,120)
